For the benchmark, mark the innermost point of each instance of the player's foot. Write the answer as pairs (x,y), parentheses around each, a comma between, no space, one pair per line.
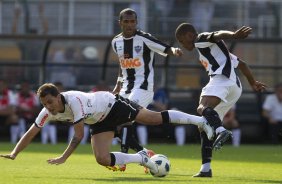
(209,130)
(112,168)
(221,139)
(150,153)
(204,174)
(147,162)
(121,168)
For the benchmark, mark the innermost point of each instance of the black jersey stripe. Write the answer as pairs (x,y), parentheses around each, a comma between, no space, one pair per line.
(128,53)
(207,53)
(227,67)
(147,59)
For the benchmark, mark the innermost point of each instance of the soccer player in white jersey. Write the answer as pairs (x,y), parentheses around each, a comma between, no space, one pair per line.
(135,50)
(224,87)
(103,111)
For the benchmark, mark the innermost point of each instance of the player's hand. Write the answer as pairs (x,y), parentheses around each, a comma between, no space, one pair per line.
(259,86)
(56,161)
(177,52)
(242,33)
(9,156)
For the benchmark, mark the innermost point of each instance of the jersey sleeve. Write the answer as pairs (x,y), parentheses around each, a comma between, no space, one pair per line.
(156,45)
(42,118)
(234,59)
(77,108)
(114,45)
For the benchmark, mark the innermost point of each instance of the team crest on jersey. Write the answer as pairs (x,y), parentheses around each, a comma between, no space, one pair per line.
(137,48)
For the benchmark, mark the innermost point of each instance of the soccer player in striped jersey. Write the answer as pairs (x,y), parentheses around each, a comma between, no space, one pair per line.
(224,87)
(135,50)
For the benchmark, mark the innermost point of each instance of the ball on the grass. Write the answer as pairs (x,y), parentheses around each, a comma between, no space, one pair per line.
(163,165)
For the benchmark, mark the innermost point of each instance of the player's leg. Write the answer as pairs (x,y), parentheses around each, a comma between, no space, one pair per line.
(101,144)
(206,151)
(126,134)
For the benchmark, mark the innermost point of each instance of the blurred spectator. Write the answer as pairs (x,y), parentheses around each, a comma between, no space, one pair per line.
(49,131)
(7,105)
(272,110)
(202,14)
(31,50)
(231,123)
(27,104)
(101,86)
(63,74)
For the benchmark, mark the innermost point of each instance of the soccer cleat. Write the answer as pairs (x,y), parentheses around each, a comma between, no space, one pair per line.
(221,139)
(121,168)
(209,130)
(150,153)
(147,162)
(112,168)
(204,174)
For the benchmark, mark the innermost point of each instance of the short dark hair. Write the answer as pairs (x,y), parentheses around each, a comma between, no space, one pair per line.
(46,89)
(127,11)
(184,28)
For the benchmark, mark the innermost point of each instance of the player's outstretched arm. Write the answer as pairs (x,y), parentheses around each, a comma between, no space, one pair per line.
(241,33)
(23,142)
(78,135)
(256,85)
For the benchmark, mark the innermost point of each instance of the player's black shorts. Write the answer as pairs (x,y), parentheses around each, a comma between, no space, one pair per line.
(123,111)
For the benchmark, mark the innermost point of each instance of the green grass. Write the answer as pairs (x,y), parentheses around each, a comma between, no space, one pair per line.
(247,164)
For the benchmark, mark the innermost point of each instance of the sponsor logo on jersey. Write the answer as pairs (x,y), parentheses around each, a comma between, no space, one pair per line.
(130,63)
(43,120)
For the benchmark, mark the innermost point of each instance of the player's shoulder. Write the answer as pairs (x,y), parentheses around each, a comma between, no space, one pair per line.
(118,36)
(204,37)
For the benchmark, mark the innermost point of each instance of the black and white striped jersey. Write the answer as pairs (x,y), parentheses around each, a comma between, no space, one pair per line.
(136,58)
(215,57)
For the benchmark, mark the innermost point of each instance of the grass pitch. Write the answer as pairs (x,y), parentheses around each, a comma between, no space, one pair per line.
(247,164)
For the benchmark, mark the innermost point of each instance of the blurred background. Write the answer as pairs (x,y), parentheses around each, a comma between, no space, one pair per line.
(69,41)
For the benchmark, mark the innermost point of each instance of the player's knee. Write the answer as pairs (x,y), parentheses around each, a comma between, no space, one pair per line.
(200,110)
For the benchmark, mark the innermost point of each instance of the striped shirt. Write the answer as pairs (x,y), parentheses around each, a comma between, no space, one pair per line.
(215,57)
(136,58)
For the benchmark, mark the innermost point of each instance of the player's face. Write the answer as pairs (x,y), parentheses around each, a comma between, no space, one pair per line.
(128,25)
(187,41)
(52,104)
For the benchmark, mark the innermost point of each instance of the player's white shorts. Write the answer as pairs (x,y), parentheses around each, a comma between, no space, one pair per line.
(140,96)
(228,91)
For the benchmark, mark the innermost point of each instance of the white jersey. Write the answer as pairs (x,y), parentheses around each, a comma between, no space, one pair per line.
(216,58)
(92,107)
(274,106)
(136,57)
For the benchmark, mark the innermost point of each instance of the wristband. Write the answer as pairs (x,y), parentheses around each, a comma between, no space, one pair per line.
(119,79)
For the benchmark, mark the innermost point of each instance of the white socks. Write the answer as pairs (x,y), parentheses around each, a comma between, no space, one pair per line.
(236,137)
(178,117)
(125,158)
(205,167)
(180,135)
(142,134)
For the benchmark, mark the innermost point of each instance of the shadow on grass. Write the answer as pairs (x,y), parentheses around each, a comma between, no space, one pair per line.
(107,179)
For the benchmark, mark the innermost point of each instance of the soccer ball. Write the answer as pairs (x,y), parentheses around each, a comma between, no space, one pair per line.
(163,165)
